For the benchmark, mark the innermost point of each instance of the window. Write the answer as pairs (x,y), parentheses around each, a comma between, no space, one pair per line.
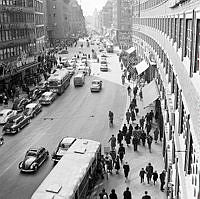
(188,37)
(181,34)
(197,56)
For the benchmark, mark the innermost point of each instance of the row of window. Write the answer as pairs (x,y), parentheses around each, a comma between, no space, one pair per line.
(16,51)
(38,6)
(180,30)
(39,19)
(19,3)
(40,32)
(16,17)
(14,34)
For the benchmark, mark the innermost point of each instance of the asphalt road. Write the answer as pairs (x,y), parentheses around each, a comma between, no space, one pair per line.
(77,113)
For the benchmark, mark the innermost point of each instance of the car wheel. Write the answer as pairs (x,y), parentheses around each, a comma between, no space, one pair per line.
(18,129)
(36,168)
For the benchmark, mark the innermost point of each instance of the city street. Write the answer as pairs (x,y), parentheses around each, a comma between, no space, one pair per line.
(77,113)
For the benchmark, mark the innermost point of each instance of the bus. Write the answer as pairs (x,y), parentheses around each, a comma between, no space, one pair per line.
(59,81)
(71,177)
(109,48)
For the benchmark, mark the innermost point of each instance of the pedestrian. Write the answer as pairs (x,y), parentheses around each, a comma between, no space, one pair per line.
(112,141)
(155,177)
(103,194)
(156,133)
(134,102)
(130,129)
(135,142)
(136,110)
(117,164)
(149,142)
(137,127)
(123,79)
(60,59)
(113,156)
(124,130)
(127,194)
(151,115)
(129,90)
(128,116)
(133,116)
(128,138)
(113,195)
(121,152)
(162,180)
(135,91)
(119,137)
(126,170)
(129,77)
(140,94)
(143,137)
(142,120)
(89,71)
(148,127)
(146,196)
(149,172)
(141,174)
(121,66)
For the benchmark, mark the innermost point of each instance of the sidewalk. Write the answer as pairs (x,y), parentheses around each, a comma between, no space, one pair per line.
(137,160)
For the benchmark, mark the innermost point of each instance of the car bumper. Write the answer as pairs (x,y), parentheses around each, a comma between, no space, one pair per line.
(45,102)
(95,89)
(103,69)
(27,170)
(9,131)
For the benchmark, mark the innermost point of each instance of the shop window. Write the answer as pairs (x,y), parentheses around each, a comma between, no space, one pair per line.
(188,37)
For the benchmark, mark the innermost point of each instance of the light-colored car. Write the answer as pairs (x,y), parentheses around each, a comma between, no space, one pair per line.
(32,109)
(71,70)
(104,66)
(64,60)
(82,69)
(96,85)
(62,148)
(6,114)
(47,98)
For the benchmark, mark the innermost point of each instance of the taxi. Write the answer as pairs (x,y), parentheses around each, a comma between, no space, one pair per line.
(96,86)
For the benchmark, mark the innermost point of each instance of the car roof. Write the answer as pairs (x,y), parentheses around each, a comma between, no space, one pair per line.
(14,117)
(35,148)
(31,105)
(4,111)
(47,93)
(96,80)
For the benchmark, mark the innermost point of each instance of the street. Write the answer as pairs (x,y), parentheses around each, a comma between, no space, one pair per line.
(76,113)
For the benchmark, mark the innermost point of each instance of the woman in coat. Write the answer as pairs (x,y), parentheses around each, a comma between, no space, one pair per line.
(117,164)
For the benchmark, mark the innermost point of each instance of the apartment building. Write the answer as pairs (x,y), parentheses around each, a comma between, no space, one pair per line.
(170,30)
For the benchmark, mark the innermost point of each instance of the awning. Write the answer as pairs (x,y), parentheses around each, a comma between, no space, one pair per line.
(131,50)
(141,67)
(150,93)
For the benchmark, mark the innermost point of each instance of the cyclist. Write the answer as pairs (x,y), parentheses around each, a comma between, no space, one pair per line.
(111,116)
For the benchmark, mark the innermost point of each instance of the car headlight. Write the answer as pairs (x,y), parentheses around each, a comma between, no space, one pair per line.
(20,165)
(32,166)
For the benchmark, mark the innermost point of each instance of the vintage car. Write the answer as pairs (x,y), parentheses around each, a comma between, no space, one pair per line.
(32,109)
(20,103)
(63,146)
(42,86)
(5,114)
(71,70)
(35,94)
(15,124)
(47,98)
(96,85)
(104,66)
(34,158)
(82,69)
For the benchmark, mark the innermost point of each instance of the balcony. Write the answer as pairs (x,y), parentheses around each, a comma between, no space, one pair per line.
(16,9)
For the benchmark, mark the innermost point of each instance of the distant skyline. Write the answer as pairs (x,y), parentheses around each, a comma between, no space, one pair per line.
(89,6)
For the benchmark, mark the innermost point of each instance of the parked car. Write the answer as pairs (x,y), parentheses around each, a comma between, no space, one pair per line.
(32,110)
(62,147)
(42,86)
(15,124)
(104,66)
(34,158)
(5,114)
(20,103)
(96,85)
(71,70)
(35,94)
(47,98)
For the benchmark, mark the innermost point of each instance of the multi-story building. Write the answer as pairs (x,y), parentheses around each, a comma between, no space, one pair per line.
(18,40)
(65,19)
(107,15)
(170,31)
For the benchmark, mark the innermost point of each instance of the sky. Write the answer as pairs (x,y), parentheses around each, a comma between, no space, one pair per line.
(88,6)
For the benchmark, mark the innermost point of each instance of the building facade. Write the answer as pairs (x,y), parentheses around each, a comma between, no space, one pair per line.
(170,31)
(21,31)
(65,20)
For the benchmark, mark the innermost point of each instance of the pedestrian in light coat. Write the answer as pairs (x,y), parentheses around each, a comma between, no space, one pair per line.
(128,116)
(126,170)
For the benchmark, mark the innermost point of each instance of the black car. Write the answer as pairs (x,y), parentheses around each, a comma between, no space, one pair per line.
(20,103)
(34,158)
(15,124)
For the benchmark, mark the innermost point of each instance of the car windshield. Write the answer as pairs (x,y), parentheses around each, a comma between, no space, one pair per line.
(27,111)
(64,146)
(95,83)
(103,62)
(31,153)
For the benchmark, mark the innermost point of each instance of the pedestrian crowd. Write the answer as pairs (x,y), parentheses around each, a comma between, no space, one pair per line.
(138,132)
